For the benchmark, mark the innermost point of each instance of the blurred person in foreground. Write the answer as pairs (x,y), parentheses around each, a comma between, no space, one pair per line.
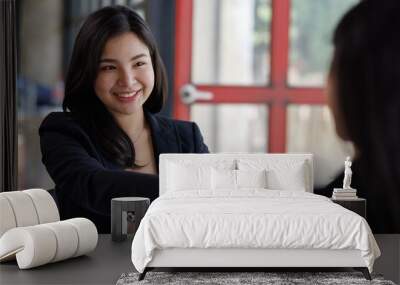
(363,92)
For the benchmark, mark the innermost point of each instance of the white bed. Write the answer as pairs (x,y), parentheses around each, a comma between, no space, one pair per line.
(247,210)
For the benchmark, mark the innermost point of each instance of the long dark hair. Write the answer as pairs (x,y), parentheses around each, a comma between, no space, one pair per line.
(366,72)
(80,98)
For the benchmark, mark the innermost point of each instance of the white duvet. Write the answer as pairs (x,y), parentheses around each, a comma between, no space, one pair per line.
(250,219)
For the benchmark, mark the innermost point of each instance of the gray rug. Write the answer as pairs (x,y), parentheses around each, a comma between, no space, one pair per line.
(269,278)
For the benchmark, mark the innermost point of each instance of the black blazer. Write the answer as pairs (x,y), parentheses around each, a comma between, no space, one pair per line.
(86,181)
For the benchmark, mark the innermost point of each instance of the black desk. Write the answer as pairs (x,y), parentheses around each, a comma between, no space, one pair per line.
(104,265)
(110,259)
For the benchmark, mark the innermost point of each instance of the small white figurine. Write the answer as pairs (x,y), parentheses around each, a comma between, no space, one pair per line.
(347,173)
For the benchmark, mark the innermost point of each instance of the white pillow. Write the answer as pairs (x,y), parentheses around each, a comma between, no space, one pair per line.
(292,178)
(251,178)
(188,177)
(223,179)
(226,179)
(280,174)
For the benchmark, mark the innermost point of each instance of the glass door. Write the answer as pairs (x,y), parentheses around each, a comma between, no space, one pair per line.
(251,74)
(222,62)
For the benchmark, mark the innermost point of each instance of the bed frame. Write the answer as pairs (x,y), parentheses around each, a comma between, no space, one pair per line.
(260,259)
(248,259)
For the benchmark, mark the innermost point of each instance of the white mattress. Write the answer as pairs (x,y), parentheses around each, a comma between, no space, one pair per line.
(251,219)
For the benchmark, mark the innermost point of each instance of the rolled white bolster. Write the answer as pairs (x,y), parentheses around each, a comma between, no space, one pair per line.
(87,235)
(33,246)
(45,205)
(40,244)
(23,208)
(7,217)
(67,240)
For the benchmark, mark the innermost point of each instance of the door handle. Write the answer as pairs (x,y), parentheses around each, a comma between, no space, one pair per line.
(189,94)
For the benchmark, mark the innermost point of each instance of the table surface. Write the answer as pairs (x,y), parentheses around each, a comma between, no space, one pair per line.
(104,265)
(110,259)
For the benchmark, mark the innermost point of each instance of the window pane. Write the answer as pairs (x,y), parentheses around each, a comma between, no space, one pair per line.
(312,25)
(231,40)
(311,130)
(232,127)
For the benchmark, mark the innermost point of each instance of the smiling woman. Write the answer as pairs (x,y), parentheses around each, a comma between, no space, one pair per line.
(124,82)
(125,75)
(107,141)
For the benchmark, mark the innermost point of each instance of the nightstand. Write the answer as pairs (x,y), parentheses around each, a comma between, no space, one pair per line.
(358,205)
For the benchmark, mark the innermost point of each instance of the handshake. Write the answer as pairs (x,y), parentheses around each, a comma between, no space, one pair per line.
(31,230)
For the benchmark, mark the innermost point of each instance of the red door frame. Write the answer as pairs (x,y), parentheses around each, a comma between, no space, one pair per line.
(278,95)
